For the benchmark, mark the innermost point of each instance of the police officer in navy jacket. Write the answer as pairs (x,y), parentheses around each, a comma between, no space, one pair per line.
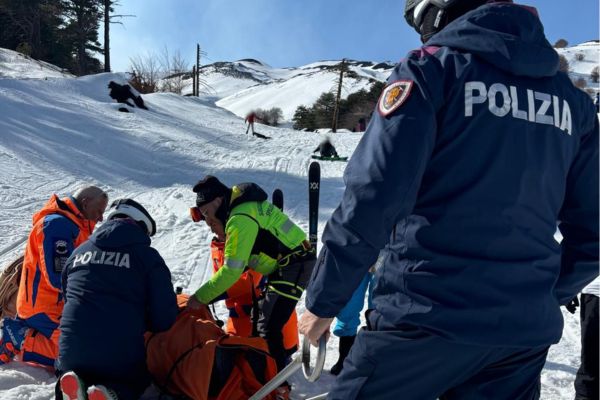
(116,288)
(479,147)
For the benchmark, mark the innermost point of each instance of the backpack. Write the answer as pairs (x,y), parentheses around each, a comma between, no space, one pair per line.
(9,288)
(197,360)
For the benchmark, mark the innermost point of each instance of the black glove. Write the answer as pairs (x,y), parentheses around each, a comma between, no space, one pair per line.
(572,305)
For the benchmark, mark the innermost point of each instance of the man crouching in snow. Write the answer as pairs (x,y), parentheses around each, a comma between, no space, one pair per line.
(478,148)
(60,226)
(116,288)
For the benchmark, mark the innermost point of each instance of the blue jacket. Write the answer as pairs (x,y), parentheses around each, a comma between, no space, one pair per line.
(116,288)
(462,185)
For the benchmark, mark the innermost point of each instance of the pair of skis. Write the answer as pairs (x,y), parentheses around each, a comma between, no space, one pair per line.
(314,184)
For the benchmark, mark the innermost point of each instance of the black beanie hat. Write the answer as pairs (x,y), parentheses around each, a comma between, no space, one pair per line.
(209,189)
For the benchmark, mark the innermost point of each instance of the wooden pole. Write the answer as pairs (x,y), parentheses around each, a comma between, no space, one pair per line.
(193,80)
(339,95)
(198,70)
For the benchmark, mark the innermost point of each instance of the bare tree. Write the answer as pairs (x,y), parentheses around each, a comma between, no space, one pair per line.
(145,73)
(595,74)
(108,7)
(563,64)
(174,69)
(580,83)
(560,44)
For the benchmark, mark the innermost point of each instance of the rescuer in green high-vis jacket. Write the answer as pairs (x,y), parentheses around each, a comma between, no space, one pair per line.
(259,236)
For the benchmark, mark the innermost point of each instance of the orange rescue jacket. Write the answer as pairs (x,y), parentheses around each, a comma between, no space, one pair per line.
(184,360)
(58,228)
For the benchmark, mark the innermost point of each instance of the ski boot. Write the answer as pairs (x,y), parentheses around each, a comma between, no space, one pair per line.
(100,392)
(72,387)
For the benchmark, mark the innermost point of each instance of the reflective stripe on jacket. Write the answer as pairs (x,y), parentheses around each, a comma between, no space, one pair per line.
(258,235)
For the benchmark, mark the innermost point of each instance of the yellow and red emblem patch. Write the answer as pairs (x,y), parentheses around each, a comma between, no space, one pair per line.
(393,96)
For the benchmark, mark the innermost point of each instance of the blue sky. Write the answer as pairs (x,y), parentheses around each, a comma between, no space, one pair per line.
(290,33)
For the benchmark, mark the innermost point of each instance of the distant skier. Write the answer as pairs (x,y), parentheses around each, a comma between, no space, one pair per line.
(250,118)
(259,236)
(59,227)
(458,187)
(326,148)
(116,288)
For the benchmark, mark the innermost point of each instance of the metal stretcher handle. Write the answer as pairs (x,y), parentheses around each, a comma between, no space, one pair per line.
(299,361)
(316,372)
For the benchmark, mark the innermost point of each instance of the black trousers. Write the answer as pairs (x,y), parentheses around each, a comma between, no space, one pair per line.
(285,287)
(586,381)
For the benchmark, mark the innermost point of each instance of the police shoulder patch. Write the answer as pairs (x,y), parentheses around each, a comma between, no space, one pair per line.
(393,96)
(60,247)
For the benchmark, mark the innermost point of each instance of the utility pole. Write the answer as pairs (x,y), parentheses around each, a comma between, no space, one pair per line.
(194,80)
(339,94)
(107,5)
(197,75)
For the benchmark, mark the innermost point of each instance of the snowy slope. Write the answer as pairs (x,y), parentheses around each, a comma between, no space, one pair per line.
(244,85)
(58,133)
(17,65)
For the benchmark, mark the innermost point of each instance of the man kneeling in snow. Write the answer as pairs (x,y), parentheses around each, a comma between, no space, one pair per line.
(116,288)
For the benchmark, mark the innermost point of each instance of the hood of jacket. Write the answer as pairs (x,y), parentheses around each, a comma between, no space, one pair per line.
(245,192)
(68,208)
(120,232)
(509,36)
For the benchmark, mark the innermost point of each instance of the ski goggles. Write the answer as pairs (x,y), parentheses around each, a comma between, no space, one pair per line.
(196,214)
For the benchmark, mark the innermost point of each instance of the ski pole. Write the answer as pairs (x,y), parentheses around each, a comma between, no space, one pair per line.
(300,361)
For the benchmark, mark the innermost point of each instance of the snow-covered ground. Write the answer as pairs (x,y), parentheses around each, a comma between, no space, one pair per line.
(583,58)
(58,133)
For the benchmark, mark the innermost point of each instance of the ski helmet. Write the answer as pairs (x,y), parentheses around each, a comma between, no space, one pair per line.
(430,16)
(132,209)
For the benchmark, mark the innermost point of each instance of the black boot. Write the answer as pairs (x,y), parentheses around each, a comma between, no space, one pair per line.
(346,343)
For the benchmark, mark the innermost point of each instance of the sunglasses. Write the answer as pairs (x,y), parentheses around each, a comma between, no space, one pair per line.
(196,214)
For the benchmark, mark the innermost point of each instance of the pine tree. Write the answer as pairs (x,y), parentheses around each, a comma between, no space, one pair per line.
(31,27)
(83,20)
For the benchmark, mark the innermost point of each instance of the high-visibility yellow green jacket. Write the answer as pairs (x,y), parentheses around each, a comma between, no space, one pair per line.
(258,235)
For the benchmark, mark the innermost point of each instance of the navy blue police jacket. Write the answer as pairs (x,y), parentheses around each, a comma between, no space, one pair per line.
(478,148)
(116,288)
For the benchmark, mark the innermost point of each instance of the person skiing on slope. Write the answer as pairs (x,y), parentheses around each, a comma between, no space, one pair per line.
(478,148)
(250,118)
(116,288)
(259,236)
